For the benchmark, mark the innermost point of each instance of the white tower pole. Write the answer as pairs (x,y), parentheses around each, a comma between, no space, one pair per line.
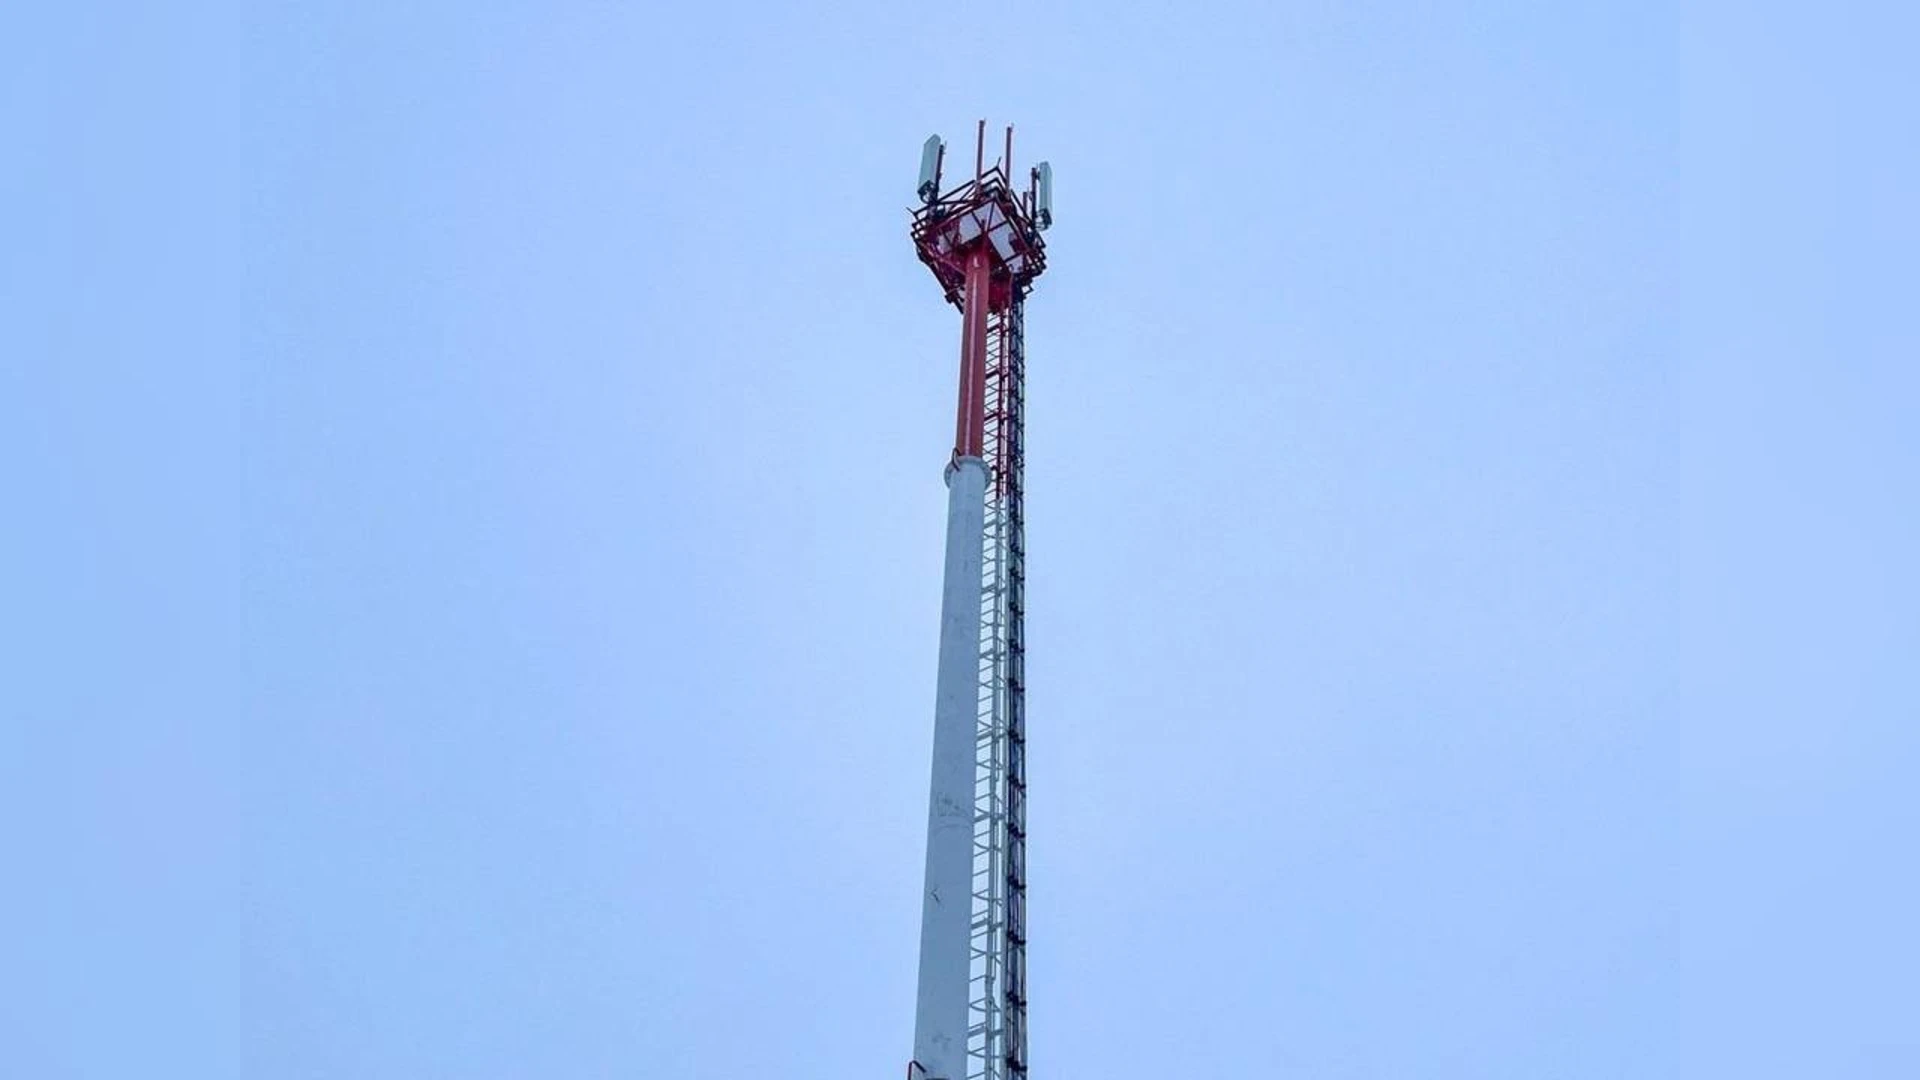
(940,1019)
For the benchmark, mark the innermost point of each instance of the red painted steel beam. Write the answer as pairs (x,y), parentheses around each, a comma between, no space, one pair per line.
(970,430)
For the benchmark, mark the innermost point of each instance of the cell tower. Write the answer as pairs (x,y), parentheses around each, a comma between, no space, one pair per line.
(981,239)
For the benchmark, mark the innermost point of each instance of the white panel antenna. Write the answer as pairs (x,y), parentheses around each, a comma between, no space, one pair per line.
(1043,195)
(930,153)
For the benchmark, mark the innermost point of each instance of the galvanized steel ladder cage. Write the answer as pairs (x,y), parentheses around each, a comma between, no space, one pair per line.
(997,1020)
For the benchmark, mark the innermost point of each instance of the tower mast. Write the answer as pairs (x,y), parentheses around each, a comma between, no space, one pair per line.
(982,241)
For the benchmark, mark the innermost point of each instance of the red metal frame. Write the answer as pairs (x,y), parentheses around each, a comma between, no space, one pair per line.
(937,239)
(984,249)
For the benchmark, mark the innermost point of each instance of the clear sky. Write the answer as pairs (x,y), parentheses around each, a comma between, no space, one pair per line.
(473,517)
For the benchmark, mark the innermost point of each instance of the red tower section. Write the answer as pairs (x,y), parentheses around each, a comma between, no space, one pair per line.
(982,242)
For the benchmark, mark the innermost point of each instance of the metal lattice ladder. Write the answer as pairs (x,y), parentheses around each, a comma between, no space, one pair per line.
(997,991)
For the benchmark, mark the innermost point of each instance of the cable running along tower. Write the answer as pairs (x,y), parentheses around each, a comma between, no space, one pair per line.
(981,239)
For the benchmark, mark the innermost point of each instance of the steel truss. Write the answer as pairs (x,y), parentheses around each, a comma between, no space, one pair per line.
(997,1020)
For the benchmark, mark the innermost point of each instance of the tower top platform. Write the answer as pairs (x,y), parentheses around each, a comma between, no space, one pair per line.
(986,215)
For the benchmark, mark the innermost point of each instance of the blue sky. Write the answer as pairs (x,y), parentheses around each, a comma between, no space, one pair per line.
(475,515)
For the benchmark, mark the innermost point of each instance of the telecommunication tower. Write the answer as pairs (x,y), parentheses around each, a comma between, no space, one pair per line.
(981,238)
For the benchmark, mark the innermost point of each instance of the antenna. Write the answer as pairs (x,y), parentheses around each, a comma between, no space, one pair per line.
(930,155)
(1043,196)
